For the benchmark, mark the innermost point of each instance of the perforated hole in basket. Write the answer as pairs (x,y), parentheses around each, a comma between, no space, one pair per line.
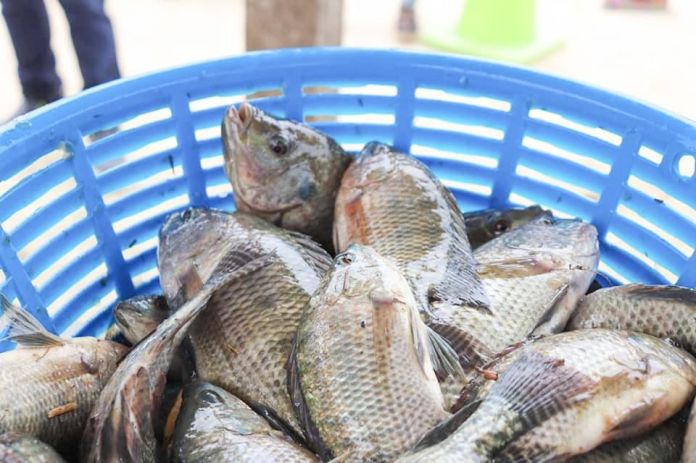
(64,261)
(146,277)
(44,200)
(157,179)
(40,164)
(164,145)
(161,209)
(90,313)
(475,130)
(686,166)
(136,248)
(52,232)
(643,256)
(577,158)
(369,89)
(650,154)
(337,112)
(635,217)
(226,100)
(658,194)
(427,93)
(562,121)
(463,157)
(108,128)
(532,174)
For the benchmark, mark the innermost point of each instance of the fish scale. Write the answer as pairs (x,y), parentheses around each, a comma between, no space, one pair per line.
(52,377)
(242,340)
(357,360)
(629,383)
(391,202)
(245,349)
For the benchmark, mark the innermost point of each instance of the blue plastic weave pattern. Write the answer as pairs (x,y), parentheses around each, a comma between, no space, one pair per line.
(79,219)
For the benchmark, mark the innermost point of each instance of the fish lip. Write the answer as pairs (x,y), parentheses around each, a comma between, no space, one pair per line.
(240,118)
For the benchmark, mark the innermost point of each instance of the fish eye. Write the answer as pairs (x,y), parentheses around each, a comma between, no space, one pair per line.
(345,258)
(279,144)
(501,226)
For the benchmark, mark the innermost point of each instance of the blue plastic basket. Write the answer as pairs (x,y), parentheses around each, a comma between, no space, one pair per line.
(79,220)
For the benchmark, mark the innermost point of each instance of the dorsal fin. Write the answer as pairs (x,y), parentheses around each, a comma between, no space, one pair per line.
(23,328)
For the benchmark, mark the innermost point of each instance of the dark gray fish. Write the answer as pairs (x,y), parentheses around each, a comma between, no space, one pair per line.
(215,426)
(283,171)
(485,225)
(243,340)
(121,424)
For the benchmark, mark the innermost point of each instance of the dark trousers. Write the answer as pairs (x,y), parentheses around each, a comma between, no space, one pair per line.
(92,37)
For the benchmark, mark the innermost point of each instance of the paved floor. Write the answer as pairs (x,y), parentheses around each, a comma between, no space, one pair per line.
(648,55)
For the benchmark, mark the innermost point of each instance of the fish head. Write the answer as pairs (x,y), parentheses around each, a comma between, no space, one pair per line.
(376,163)
(561,243)
(286,172)
(498,222)
(192,239)
(137,317)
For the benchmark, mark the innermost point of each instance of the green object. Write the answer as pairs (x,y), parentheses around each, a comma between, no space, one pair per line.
(500,29)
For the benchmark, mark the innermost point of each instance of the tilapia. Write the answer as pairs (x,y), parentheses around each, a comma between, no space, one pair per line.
(534,277)
(660,445)
(21,448)
(121,424)
(362,370)
(662,311)
(393,203)
(216,426)
(242,341)
(482,226)
(139,316)
(49,384)
(566,394)
(283,171)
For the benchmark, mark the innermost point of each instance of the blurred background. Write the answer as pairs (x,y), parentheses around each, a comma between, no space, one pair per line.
(646,54)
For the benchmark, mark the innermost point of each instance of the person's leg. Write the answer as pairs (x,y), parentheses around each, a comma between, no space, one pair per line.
(93,38)
(27,22)
(407,17)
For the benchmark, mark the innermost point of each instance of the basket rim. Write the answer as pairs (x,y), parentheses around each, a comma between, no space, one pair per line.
(61,111)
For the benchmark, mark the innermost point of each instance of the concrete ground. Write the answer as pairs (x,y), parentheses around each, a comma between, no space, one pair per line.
(647,55)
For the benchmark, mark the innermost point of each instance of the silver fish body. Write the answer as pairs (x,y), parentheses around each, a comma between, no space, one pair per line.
(243,339)
(215,426)
(566,394)
(361,374)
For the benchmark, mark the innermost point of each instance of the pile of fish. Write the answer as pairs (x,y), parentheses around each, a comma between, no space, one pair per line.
(429,336)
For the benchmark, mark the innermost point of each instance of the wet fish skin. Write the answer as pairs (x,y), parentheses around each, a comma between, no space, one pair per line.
(243,340)
(534,276)
(660,445)
(49,384)
(393,203)
(659,310)
(216,426)
(485,225)
(361,375)
(22,448)
(121,424)
(564,395)
(140,315)
(283,171)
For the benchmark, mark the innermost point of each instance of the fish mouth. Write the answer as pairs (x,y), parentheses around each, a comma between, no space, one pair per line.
(239,119)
